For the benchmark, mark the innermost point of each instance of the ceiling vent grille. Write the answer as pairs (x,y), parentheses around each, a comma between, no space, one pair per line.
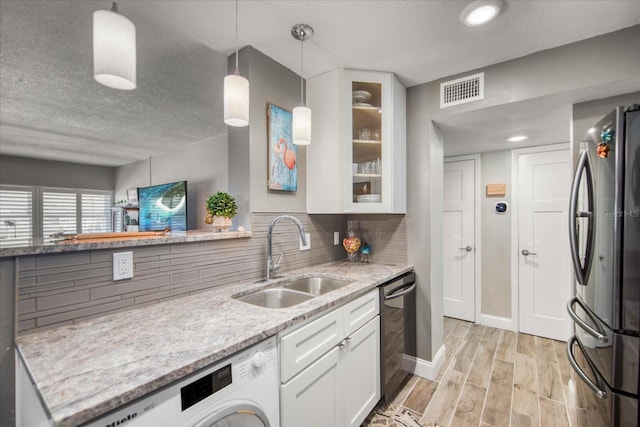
(461,91)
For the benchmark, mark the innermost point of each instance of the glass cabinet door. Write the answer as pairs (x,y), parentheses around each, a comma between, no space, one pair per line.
(367,142)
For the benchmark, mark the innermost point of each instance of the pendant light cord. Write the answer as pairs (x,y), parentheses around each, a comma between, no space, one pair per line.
(237,71)
(301,72)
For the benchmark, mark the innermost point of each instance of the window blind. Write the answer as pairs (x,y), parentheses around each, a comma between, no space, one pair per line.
(96,213)
(16,217)
(59,213)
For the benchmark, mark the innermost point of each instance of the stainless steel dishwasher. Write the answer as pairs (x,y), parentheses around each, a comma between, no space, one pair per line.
(398,334)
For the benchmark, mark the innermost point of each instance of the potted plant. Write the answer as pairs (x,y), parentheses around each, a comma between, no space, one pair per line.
(221,207)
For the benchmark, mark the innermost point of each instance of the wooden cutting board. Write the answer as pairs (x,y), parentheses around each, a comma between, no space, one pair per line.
(117,235)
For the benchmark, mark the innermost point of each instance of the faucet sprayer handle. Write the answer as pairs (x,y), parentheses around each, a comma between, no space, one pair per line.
(277,264)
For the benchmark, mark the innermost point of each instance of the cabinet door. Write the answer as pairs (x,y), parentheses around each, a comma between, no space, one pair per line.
(307,343)
(314,397)
(361,363)
(374,142)
(367,141)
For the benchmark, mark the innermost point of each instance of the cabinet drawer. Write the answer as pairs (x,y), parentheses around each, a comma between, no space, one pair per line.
(306,344)
(358,312)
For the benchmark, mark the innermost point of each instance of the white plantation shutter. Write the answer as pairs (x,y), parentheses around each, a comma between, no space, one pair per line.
(59,213)
(96,213)
(16,216)
(28,213)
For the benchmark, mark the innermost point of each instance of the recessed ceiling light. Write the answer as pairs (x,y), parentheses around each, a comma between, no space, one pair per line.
(518,138)
(480,12)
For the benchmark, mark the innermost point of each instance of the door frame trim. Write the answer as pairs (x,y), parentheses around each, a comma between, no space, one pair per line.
(477,223)
(515,155)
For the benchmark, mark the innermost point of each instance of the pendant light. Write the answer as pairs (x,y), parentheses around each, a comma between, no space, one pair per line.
(302,113)
(114,49)
(236,93)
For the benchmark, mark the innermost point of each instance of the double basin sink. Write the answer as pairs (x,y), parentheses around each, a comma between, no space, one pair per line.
(292,293)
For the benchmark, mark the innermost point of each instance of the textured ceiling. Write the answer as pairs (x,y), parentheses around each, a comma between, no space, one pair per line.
(52,108)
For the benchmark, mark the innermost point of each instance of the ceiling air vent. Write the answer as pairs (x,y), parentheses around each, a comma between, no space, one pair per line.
(461,91)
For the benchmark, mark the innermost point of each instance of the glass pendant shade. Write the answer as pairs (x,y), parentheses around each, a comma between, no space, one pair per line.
(114,50)
(236,100)
(302,125)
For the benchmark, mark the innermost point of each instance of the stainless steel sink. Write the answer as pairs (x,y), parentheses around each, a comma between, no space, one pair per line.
(316,285)
(276,298)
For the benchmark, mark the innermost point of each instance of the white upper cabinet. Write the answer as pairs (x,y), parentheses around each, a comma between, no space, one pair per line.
(357,158)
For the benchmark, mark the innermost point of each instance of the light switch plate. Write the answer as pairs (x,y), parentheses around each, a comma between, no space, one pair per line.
(306,248)
(122,265)
(336,238)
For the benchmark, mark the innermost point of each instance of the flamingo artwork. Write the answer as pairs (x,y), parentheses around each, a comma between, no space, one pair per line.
(283,171)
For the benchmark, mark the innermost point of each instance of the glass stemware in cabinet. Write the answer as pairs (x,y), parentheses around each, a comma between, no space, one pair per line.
(367,142)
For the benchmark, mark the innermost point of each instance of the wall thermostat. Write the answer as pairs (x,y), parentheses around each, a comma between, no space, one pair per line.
(501,208)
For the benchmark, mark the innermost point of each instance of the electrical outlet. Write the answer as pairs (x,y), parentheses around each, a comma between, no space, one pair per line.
(336,238)
(306,248)
(122,265)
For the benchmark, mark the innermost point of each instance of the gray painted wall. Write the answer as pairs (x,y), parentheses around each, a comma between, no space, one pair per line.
(36,172)
(496,229)
(573,67)
(270,83)
(239,148)
(495,237)
(548,73)
(424,217)
(204,165)
(7,340)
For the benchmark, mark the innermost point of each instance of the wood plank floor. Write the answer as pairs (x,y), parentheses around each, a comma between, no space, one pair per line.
(491,377)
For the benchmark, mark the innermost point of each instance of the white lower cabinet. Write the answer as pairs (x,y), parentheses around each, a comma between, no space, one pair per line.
(313,398)
(341,386)
(361,372)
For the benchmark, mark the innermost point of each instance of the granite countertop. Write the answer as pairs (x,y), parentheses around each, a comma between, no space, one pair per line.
(85,370)
(38,246)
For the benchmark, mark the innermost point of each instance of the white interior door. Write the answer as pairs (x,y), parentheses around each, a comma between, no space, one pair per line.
(544,269)
(459,240)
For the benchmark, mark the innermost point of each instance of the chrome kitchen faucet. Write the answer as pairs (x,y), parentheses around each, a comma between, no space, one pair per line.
(271,267)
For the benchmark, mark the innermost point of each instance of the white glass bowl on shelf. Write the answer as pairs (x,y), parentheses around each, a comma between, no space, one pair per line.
(359,96)
(369,198)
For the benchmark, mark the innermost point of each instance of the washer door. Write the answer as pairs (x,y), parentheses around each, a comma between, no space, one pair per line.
(235,415)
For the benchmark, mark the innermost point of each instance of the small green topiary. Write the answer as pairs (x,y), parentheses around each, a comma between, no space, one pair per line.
(222,204)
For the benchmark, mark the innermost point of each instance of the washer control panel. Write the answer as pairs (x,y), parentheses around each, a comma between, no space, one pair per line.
(204,387)
(252,363)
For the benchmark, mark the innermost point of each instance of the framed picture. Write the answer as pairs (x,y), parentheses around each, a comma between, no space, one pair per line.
(282,153)
(132,195)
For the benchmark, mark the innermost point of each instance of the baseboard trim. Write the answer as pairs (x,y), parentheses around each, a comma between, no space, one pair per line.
(496,322)
(424,368)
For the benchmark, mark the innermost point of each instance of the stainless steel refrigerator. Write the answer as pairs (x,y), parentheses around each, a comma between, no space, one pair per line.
(605,247)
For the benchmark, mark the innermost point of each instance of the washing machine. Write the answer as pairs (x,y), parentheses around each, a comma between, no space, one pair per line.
(242,390)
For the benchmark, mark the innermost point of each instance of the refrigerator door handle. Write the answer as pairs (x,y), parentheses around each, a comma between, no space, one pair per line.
(598,389)
(581,269)
(599,334)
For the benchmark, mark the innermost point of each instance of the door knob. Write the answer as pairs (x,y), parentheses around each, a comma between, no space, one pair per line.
(527,253)
(468,248)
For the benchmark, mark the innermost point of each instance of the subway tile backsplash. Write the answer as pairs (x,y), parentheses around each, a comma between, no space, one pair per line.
(65,288)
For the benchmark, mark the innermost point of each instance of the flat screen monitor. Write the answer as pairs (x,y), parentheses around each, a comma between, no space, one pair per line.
(163,206)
